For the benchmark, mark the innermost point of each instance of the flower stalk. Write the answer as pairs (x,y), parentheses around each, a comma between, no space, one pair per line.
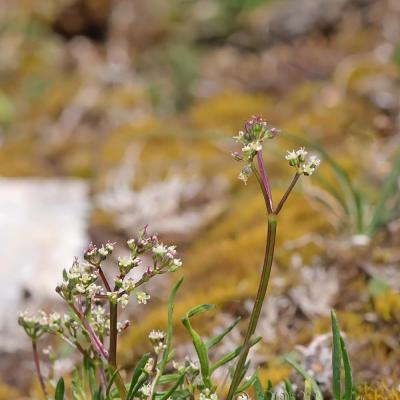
(38,370)
(256,130)
(255,314)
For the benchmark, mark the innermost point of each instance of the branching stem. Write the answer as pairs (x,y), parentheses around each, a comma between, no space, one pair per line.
(287,193)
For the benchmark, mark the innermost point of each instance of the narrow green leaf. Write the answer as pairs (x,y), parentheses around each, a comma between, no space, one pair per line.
(232,355)
(307,389)
(59,395)
(217,338)
(258,390)
(289,390)
(199,345)
(269,392)
(199,310)
(305,375)
(174,387)
(348,378)
(136,374)
(389,189)
(110,383)
(170,323)
(168,378)
(143,378)
(336,358)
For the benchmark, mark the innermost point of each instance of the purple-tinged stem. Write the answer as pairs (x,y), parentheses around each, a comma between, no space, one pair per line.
(37,366)
(104,279)
(265,181)
(287,193)
(95,339)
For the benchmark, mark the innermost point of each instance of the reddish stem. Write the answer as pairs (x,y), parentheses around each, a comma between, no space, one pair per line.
(38,371)
(265,181)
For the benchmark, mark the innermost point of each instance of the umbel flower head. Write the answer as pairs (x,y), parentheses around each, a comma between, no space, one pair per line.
(256,129)
(304,166)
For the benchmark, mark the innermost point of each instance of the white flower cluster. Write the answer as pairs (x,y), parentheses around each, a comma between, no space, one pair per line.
(79,280)
(206,394)
(157,339)
(145,390)
(100,320)
(40,323)
(95,256)
(297,159)
(165,255)
(256,130)
(243,396)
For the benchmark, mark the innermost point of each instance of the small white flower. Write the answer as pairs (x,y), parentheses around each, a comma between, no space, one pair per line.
(243,396)
(291,155)
(177,262)
(146,389)
(112,296)
(156,335)
(80,288)
(142,297)
(160,250)
(301,153)
(207,395)
(123,300)
(309,168)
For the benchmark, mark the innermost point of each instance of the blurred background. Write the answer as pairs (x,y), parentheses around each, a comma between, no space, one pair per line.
(118,113)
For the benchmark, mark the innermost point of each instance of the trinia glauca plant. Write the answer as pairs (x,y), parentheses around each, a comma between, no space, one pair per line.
(91,324)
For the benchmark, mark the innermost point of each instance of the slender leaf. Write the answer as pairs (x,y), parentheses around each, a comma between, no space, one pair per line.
(258,390)
(136,374)
(248,382)
(170,323)
(336,358)
(110,383)
(174,387)
(138,386)
(232,355)
(59,395)
(199,345)
(269,392)
(305,375)
(389,189)
(217,338)
(289,390)
(348,378)
(307,389)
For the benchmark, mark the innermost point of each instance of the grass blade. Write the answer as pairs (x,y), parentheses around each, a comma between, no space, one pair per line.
(348,378)
(59,395)
(174,387)
(136,374)
(217,338)
(306,376)
(336,358)
(232,355)
(258,390)
(199,345)
(289,390)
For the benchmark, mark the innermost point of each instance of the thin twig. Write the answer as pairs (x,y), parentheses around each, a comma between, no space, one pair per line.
(287,193)
(38,371)
(265,181)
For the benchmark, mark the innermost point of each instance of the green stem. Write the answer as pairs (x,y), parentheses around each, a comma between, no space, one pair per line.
(255,314)
(112,358)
